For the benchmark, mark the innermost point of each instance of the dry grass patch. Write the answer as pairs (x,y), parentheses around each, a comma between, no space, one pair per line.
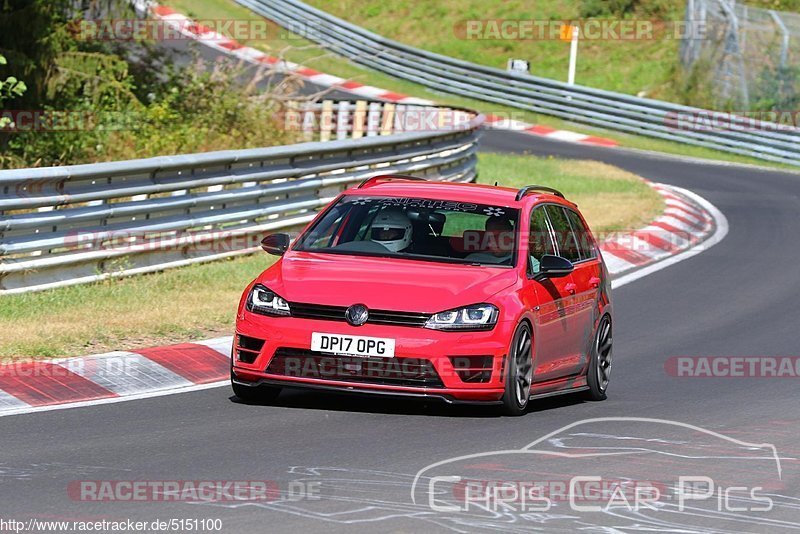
(611,199)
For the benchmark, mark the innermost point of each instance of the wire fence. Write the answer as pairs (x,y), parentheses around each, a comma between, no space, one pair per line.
(751,55)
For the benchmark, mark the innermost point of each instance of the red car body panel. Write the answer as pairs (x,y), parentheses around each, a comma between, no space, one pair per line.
(563,312)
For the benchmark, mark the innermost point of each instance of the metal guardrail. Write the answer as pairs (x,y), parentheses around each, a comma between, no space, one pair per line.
(68,225)
(575,103)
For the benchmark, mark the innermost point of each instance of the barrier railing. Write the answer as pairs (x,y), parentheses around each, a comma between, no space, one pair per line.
(68,225)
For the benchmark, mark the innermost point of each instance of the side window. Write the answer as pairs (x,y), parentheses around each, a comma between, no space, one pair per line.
(566,244)
(540,241)
(585,242)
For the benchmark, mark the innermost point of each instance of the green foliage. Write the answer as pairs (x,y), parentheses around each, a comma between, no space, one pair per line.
(779,85)
(103,101)
(622,8)
(9,88)
(694,86)
(32,34)
(198,111)
(779,5)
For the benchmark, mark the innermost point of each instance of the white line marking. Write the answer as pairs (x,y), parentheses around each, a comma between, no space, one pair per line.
(614,263)
(223,345)
(9,401)
(113,400)
(564,135)
(368,90)
(326,79)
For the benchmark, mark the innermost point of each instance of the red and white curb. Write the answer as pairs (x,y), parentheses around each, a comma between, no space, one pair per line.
(689,225)
(190,29)
(683,224)
(38,385)
(499,123)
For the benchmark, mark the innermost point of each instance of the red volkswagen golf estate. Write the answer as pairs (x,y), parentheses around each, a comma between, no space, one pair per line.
(401,286)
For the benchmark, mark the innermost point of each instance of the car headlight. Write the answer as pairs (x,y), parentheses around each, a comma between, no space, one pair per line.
(476,317)
(264,301)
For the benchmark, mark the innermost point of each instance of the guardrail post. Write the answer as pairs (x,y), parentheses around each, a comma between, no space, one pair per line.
(400,118)
(359,117)
(326,121)
(388,119)
(309,119)
(343,120)
(373,119)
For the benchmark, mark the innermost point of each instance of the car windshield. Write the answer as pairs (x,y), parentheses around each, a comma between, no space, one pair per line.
(415,228)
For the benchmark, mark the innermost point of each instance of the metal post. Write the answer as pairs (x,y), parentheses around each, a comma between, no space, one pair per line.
(573,55)
(785,41)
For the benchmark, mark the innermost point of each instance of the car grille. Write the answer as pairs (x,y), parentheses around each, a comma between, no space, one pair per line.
(336,313)
(409,372)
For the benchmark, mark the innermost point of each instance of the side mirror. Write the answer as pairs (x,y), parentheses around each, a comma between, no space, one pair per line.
(275,244)
(554,267)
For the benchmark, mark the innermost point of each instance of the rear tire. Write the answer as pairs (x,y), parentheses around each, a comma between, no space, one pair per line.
(519,373)
(255,394)
(599,372)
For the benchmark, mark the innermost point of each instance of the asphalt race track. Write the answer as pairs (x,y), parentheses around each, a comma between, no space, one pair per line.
(358,456)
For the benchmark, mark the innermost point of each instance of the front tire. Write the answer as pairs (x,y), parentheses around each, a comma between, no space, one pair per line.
(255,394)
(519,375)
(599,373)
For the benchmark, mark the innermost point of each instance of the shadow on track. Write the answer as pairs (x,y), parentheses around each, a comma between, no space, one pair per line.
(312,400)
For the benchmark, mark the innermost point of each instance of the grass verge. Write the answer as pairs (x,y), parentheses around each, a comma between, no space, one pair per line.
(199,301)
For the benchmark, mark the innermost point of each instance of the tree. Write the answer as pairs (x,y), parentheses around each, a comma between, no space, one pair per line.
(11,87)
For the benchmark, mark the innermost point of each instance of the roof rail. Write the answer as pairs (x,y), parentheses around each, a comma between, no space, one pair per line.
(386,177)
(531,188)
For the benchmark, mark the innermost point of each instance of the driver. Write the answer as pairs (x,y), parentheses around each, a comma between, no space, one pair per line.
(498,242)
(392,229)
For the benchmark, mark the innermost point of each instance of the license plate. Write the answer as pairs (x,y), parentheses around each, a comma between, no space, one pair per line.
(377,347)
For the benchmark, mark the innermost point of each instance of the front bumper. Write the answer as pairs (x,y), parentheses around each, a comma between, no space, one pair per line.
(427,364)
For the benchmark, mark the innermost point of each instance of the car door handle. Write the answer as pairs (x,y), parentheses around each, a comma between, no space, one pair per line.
(571,288)
(594,281)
